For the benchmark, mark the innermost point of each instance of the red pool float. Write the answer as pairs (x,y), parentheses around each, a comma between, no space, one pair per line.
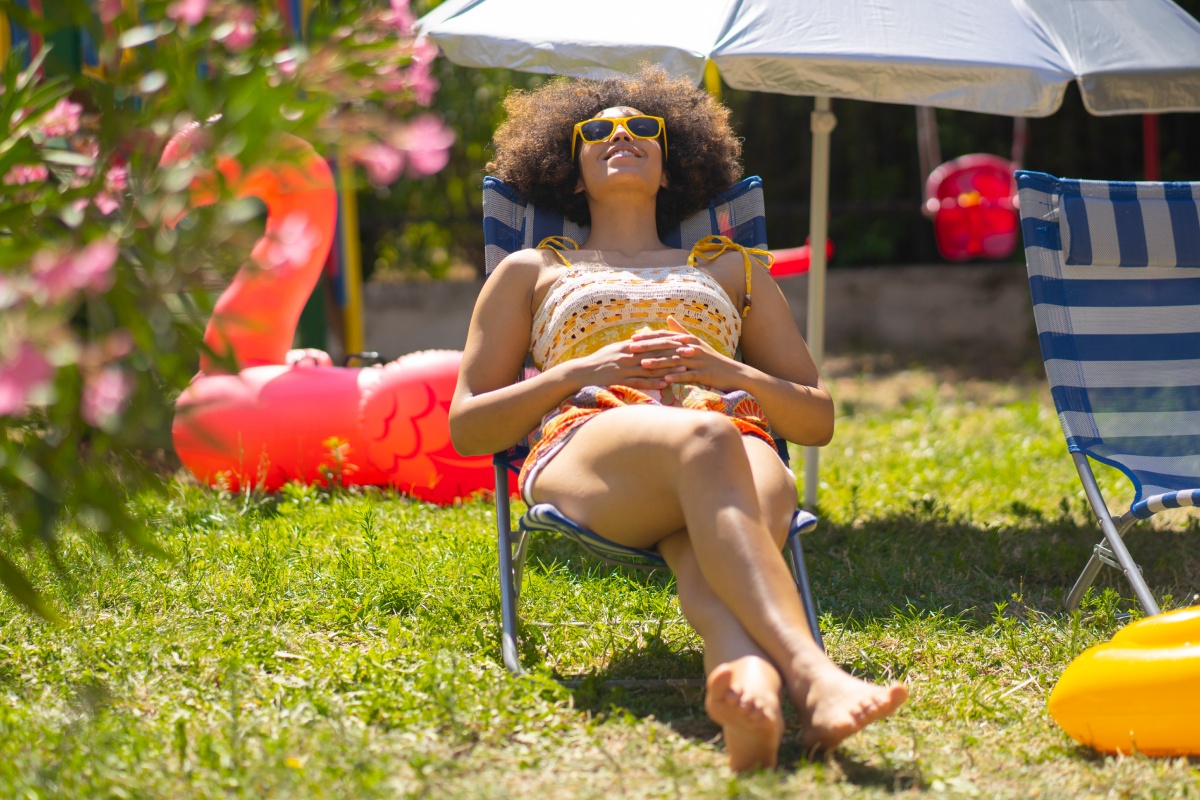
(796,260)
(289,415)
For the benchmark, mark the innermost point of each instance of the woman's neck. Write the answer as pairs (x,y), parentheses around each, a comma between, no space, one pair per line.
(623,224)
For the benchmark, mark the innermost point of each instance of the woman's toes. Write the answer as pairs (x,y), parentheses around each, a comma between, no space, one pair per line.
(743,698)
(836,705)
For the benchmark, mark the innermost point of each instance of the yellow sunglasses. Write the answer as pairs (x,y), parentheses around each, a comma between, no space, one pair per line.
(604,128)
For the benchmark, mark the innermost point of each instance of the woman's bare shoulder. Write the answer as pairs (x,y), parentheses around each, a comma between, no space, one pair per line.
(529,262)
(728,266)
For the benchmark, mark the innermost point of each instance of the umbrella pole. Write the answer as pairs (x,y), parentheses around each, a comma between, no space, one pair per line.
(822,124)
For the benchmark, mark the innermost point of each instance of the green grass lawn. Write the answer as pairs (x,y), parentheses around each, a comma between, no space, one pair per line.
(309,645)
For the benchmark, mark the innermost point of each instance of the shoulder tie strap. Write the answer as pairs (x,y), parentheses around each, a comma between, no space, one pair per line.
(711,247)
(557,244)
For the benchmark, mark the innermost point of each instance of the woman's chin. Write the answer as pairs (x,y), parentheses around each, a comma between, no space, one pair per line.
(626,176)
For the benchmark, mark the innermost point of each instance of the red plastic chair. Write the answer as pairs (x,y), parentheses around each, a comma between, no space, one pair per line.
(972,201)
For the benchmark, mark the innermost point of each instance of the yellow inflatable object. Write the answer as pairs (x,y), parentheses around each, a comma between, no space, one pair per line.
(1139,692)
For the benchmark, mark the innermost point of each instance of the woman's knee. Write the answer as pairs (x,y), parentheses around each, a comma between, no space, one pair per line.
(709,437)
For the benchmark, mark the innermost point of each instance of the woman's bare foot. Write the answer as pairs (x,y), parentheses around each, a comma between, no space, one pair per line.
(743,698)
(834,704)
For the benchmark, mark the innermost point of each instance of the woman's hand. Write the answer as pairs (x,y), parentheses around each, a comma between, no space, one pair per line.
(692,360)
(644,362)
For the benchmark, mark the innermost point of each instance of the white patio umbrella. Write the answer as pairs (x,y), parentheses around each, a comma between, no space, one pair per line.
(1010,57)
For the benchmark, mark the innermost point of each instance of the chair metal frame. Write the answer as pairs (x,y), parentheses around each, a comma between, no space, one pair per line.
(1095,249)
(509,225)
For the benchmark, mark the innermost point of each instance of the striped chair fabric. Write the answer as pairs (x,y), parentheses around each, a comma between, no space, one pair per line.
(511,224)
(1114,270)
(545,517)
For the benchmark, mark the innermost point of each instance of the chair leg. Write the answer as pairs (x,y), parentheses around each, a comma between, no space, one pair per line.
(1112,537)
(508,585)
(1085,581)
(795,555)
(520,549)
(1100,556)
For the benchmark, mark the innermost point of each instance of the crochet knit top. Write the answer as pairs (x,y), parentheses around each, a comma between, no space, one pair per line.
(592,305)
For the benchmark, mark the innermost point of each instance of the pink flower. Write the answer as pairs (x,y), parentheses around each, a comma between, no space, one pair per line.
(22,174)
(58,275)
(286,63)
(94,265)
(117,178)
(53,274)
(189,11)
(105,203)
(104,396)
(62,120)
(91,149)
(291,244)
(382,162)
(401,17)
(118,344)
(21,377)
(239,33)
(109,10)
(424,50)
(427,142)
(422,84)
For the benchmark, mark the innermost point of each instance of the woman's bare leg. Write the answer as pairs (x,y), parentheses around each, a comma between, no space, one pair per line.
(743,687)
(636,474)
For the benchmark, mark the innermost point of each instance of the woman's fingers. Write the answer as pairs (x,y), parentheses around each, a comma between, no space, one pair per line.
(644,342)
(671,363)
(645,383)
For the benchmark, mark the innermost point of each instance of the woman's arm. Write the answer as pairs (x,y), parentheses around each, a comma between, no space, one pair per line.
(780,371)
(491,411)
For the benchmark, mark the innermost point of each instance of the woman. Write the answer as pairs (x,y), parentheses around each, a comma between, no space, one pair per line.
(651,433)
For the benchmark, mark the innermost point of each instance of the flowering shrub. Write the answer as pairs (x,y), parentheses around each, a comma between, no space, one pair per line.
(101,302)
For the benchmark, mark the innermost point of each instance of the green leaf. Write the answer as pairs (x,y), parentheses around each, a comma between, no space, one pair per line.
(68,157)
(31,72)
(136,37)
(152,81)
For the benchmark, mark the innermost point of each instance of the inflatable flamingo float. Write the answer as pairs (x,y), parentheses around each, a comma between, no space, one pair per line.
(289,415)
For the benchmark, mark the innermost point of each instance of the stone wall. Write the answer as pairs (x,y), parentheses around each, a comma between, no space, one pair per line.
(943,311)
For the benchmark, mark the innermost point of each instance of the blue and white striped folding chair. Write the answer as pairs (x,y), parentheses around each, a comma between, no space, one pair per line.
(1114,268)
(510,224)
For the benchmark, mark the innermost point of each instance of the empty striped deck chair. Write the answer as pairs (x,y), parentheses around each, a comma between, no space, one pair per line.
(511,224)
(1114,268)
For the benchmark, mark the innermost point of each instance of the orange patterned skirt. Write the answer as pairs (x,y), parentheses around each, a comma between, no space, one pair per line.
(560,424)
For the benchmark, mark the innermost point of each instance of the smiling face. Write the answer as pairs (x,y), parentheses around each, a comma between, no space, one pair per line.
(623,160)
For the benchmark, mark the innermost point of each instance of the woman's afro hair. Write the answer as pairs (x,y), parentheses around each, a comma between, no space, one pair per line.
(533,145)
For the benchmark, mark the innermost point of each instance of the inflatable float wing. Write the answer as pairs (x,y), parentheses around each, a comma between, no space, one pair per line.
(1139,692)
(288,415)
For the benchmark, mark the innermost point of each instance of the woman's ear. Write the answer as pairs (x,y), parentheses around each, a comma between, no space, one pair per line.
(663,182)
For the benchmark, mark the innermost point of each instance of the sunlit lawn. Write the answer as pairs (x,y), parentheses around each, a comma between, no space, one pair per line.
(309,645)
